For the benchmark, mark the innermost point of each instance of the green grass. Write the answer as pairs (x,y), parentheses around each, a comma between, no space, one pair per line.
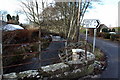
(117,29)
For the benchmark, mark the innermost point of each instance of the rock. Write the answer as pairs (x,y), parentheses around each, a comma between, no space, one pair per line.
(10,76)
(54,67)
(29,73)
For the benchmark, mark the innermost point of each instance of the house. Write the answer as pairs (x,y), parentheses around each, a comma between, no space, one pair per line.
(9,27)
(99,29)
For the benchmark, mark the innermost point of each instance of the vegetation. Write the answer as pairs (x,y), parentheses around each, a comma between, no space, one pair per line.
(112,37)
(109,30)
(63,19)
(105,30)
(13,19)
(115,37)
(117,29)
(113,30)
(107,35)
(66,15)
(29,43)
(100,56)
(9,17)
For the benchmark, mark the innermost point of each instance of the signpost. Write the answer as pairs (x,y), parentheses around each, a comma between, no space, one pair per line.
(94,24)
(91,23)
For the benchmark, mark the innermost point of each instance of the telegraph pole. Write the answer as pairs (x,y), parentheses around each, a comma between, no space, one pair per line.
(1,66)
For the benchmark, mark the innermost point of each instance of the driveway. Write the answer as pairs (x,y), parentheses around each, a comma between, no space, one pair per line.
(111,50)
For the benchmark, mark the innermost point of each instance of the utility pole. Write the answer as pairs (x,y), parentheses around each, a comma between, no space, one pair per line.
(1,66)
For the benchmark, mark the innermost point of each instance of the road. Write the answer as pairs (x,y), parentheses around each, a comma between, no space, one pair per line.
(111,50)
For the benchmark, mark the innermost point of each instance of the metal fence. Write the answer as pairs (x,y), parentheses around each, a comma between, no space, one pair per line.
(31,53)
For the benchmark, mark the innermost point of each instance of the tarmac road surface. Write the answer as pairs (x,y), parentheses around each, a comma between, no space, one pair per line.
(111,50)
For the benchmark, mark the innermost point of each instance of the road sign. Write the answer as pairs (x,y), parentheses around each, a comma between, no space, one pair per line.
(91,23)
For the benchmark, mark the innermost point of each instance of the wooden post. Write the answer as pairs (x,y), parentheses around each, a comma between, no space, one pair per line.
(66,52)
(86,44)
(66,46)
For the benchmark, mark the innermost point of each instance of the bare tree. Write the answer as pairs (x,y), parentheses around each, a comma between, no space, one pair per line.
(33,9)
(71,13)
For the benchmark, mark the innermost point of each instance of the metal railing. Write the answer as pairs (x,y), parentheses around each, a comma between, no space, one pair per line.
(58,59)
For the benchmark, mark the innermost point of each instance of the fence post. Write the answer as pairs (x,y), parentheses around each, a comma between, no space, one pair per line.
(86,43)
(66,52)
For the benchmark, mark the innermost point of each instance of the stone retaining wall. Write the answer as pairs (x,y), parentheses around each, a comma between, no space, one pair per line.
(73,69)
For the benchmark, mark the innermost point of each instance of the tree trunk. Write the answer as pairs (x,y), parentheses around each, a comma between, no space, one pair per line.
(70,28)
(39,46)
(78,21)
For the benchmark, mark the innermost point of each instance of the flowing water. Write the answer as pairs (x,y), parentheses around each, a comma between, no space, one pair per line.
(50,53)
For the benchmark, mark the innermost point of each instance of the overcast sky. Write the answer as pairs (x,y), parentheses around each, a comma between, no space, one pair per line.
(106,11)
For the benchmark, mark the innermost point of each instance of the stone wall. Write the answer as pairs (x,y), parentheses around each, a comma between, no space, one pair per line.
(73,69)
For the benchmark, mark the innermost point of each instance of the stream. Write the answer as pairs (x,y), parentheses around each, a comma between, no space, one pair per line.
(50,52)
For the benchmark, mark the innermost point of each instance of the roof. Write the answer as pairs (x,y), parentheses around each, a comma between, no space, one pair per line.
(103,25)
(11,27)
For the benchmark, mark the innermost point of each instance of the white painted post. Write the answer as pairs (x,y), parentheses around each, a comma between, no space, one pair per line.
(94,40)
(86,34)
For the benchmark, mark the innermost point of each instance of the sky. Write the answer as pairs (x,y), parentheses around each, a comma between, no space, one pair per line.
(106,11)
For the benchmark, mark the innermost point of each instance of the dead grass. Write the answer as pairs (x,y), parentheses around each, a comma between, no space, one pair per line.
(100,56)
